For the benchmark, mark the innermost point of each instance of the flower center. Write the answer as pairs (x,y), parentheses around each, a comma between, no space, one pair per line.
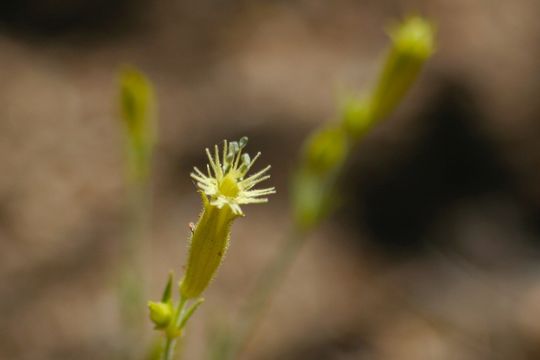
(228,186)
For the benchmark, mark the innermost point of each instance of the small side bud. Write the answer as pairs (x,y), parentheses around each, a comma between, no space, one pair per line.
(160,314)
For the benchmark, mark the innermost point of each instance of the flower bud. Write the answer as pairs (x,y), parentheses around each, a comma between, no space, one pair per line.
(324,154)
(160,314)
(356,116)
(326,149)
(413,43)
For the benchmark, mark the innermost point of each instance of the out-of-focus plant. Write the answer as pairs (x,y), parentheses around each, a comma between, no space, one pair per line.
(313,188)
(325,151)
(138,115)
(224,187)
(138,108)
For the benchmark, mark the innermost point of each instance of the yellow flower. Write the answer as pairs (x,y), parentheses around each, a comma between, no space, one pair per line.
(225,182)
(223,189)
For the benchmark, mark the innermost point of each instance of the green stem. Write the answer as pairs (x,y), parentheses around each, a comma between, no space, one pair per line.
(132,276)
(168,349)
(265,288)
(171,338)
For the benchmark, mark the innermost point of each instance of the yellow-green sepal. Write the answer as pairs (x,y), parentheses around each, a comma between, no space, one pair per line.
(208,244)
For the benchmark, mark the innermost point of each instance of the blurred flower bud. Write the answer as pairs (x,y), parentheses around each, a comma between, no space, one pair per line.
(326,149)
(356,117)
(138,114)
(414,38)
(413,43)
(312,186)
(160,314)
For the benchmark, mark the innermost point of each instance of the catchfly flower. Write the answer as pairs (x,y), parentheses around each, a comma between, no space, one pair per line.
(225,182)
(223,188)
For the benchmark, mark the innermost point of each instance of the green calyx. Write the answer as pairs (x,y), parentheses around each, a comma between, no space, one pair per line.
(208,245)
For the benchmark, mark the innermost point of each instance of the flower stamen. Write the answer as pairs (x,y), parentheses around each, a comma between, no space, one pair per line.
(226,182)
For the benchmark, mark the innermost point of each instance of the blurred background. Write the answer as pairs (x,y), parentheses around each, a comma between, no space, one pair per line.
(435,254)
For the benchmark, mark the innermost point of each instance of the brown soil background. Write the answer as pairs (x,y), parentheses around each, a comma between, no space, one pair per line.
(434,254)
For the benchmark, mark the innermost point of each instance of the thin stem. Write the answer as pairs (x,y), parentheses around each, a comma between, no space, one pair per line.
(168,349)
(265,288)
(171,338)
(132,276)
(180,312)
